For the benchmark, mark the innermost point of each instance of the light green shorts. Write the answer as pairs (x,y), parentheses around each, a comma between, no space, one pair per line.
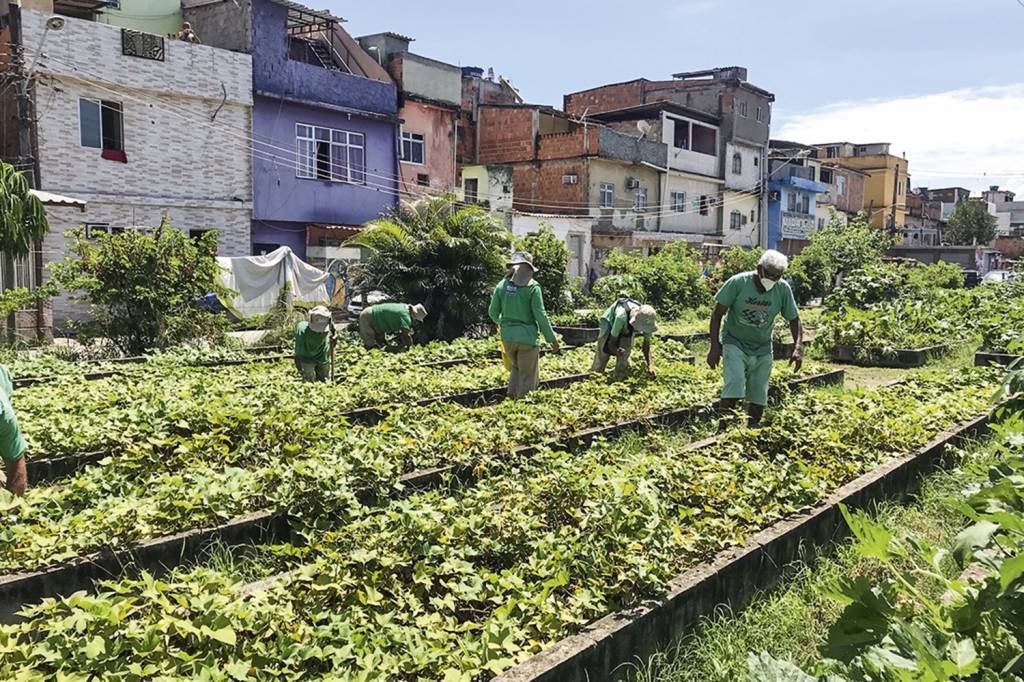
(746,376)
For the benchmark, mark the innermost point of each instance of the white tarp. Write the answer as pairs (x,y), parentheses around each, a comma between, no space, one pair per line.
(259,279)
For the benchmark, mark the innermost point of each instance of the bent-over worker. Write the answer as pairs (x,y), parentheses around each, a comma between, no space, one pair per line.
(624,319)
(750,301)
(12,444)
(381,319)
(517,307)
(314,339)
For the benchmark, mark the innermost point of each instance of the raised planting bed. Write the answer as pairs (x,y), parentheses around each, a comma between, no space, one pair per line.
(602,650)
(878,357)
(783,351)
(160,554)
(989,359)
(696,337)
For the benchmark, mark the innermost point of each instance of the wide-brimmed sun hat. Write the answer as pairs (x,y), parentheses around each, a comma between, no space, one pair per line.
(319,319)
(419,313)
(644,319)
(522,258)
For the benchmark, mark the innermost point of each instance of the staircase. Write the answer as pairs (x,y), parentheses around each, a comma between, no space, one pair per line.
(323,52)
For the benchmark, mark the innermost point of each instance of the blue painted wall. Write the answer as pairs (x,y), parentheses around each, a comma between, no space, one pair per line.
(284,204)
(776,208)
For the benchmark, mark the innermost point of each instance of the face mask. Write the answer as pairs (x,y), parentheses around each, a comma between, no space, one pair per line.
(768,283)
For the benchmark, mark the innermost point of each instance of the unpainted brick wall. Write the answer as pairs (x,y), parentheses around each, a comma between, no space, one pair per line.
(538,187)
(607,98)
(506,134)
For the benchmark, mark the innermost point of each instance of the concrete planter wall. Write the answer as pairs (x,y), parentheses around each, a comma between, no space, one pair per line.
(987,359)
(578,336)
(732,577)
(876,357)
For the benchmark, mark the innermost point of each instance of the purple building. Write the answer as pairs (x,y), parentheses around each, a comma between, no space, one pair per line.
(325,120)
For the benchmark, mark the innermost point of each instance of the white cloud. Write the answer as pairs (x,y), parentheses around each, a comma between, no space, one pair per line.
(971,138)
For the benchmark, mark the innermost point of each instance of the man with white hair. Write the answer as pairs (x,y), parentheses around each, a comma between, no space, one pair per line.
(618,325)
(749,302)
(381,319)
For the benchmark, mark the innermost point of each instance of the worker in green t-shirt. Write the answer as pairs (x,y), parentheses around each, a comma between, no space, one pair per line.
(381,319)
(749,302)
(517,308)
(12,444)
(314,345)
(620,323)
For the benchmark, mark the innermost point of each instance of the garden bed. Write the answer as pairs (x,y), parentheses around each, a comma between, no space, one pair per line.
(732,577)
(696,337)
(991,359)
(160,554)
(879,357)
(578,336)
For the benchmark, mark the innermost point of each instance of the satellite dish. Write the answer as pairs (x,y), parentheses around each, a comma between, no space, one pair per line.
(644,127)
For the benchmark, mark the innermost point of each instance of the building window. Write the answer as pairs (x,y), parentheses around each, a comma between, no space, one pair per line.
(821,223)
(413,148)
(704,202)
(791,202)
(813,170)
(423,180)
(196,234)
(737,163)
(329,154)
(640,205)
(101,124)
(826,176)
(607,195)
(735,219)
(841,185)
(743,109)
(471,190)
(681,135)
(803,203)
(705,140)
(832,152)
(678,200)
(755,161)
(759,114)
(751,215)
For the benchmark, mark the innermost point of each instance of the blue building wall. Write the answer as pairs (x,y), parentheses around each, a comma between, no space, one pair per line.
(288,92)
(782,189)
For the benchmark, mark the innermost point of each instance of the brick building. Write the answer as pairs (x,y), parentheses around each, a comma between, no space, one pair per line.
(138,126)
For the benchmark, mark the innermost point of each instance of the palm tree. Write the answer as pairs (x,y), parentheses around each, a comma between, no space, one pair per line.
(439,253)
(22,225)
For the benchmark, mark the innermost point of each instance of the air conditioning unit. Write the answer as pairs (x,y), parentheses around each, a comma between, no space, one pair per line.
(743,220)
(570,179)
(632,183)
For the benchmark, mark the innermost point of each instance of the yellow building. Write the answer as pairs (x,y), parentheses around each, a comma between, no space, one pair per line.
(887,182)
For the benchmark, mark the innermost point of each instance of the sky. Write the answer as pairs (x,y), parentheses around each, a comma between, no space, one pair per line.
(942,81)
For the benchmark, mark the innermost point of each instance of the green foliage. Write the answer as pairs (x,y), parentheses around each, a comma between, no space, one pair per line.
(21,298)
(810,275)
(735,260)
(851,246)
(22,218)
(893,627)
(142,288)
(669,280)
(971,223)
(551,256)
(439,253)
(939,275)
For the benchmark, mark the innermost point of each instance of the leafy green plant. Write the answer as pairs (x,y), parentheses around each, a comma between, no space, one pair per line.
(670,280)
(439,253)
(551,256)
(971,223)
(142,288)
(735,260)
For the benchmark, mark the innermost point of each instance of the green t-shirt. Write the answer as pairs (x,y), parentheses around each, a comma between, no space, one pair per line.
(12,444)
(751,316)
(389,318)
(519,311)
(310,346)
(616,318)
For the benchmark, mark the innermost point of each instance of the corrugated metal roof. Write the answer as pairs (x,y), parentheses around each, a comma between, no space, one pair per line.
(51,199)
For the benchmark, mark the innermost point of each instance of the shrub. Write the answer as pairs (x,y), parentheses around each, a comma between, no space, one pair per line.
(810,275)
(142,288)
(736,259)
(670,280)
(551,256)
(936,276)
(441,254)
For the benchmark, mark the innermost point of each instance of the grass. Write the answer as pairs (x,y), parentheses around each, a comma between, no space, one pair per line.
(792,621)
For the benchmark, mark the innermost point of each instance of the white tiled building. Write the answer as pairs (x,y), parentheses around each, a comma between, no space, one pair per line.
(140,126)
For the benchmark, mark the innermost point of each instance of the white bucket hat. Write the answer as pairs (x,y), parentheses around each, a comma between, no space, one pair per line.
(522,258)
(319,319)
(644,319)
(419,313)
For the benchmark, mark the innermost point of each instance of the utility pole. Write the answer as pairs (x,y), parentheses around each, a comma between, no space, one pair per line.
(895,194)
(26,161)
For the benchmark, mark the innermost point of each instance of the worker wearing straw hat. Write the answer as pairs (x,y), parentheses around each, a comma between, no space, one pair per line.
(517,307)
(381,319)
(314,341)
(619,324)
